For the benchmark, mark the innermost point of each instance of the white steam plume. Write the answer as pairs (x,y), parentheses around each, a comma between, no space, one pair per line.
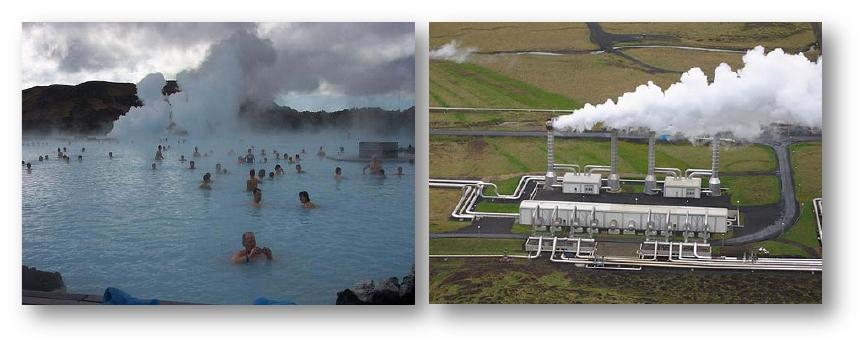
(452,51)
(773,87)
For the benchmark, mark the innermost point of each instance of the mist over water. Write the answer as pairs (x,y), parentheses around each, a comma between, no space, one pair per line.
(771,87)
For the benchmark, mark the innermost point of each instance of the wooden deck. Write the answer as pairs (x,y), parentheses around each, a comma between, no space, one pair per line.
(49,298)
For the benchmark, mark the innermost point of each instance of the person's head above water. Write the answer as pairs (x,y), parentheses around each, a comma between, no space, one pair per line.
(206,178)
(271,174)
(338,171)
(248,241)
(261,173)
(298,168)
(304,197)
(191,164)
(252,173)
(153,166)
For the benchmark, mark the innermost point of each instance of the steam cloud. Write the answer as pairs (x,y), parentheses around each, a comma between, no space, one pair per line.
(452,51)
(246,69)
(773,87)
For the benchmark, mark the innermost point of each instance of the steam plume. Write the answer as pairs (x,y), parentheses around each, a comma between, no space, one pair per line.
(773,87)
(452,51)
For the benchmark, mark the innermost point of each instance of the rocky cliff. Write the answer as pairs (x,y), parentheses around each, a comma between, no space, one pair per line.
(86,108)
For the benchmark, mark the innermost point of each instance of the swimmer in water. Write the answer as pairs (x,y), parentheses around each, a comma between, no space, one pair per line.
(278,170)
(305,201)
(261,174)
(110,155)
(40,158)
(205,182)
(256,197)
(191,164)
(296,157)
(28,167)
(195,152)
(224,171)
(218,168)
(271,175)
(159,154)
(80,158)
(285,156)
(374,166)
(82,149)
(338,173)
(250,158)
(153,166)
(303,151)
(299,169)
(321,152)
(252,182)
(182,158)
(398,170)
(250,251)
(381,173)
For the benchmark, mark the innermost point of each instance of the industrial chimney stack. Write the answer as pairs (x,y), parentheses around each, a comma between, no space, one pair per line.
(550,177)
(715,181)
(613,178)
(651,184)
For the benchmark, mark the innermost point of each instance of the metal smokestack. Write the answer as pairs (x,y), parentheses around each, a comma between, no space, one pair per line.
(550,177)
(613,178)
(650,183)
(715,181)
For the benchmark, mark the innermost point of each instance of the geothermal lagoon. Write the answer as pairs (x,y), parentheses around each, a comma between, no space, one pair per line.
(116,222)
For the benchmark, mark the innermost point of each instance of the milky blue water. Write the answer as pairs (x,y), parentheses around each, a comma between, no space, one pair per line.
(153,233)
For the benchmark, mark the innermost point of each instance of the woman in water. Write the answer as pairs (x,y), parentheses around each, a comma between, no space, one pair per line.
(338,173)
(305,201)
(299,169)
(278,170)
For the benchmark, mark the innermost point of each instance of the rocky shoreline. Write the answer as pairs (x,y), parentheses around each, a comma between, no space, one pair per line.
(388,292)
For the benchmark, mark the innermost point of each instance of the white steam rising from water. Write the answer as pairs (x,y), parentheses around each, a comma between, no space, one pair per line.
(452,51)
(773,87)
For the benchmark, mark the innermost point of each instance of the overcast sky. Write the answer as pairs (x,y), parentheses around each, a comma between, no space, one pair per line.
(308,66)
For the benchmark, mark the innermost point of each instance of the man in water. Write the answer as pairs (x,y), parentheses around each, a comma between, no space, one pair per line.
(250,158)
(110,155)
(28,167)
(278,170)
(191,164)
(261,174)
(305,201)
(398,170)
(205,183)
(40,158)
(299,169)
(195,152)
(374,166)
(153,166)
(256,197)
(250,251)
(182,158)
(218,168)
(321,152)
(338,173)
(252,182)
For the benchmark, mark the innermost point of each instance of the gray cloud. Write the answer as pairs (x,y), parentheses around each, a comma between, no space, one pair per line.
(277,59)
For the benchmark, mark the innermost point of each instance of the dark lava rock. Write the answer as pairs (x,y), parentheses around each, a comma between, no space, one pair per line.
(37,280)
(86,108)
(389,292)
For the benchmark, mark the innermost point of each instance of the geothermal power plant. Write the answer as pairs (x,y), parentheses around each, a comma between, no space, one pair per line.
(590,200)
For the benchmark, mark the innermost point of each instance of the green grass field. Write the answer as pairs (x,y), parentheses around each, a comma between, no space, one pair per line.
(496,121)
(441,203)
(753,190)
(499,158)
(470,85)
(493,207)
